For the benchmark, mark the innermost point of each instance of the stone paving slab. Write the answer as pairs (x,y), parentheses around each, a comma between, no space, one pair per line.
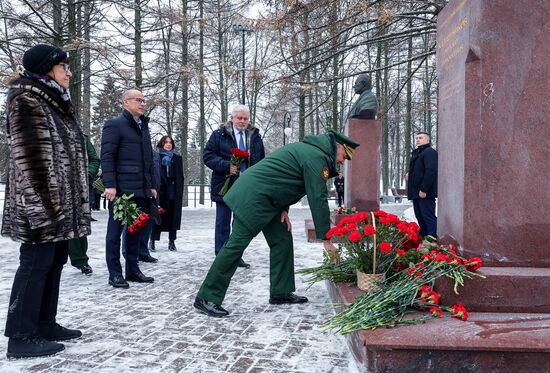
(154,328)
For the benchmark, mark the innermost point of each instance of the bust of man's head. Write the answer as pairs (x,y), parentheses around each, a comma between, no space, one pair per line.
(362,84)
(366,105)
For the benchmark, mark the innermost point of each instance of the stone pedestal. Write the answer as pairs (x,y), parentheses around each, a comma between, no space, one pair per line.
(494,126)
(362,174)
(486,343)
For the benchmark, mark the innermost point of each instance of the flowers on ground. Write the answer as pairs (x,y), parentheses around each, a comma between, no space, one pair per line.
(237,158)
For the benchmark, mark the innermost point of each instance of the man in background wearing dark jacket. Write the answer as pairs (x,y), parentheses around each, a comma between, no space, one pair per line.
(422,184)
(237,133)
(127,164)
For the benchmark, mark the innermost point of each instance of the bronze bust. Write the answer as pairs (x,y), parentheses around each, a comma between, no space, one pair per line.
(366,105)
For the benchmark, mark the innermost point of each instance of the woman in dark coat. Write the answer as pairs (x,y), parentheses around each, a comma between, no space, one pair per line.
(46,201)
(171,192)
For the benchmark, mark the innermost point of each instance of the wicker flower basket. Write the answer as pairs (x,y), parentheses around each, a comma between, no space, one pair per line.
(366,281)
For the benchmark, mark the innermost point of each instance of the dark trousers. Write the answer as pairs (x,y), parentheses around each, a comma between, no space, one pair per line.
(112,242)
(424,210)
(340,198)
(223,225)
(78,248)
(35,289)
(172,235)
(281,261)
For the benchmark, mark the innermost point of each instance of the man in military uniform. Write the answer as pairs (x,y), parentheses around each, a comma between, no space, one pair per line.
(279,180)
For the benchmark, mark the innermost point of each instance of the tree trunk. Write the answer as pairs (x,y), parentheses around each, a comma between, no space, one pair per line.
(202,126)
(184,77)
(137,45)
(86,69)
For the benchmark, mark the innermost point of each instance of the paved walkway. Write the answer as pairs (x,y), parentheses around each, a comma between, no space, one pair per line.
(154,328)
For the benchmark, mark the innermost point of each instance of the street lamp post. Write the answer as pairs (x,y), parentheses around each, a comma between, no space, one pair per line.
(287,130)
(239,27)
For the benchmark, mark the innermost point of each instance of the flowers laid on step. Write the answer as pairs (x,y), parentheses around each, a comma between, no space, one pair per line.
(370,241)
(411,268)
(237,158)
(345,210)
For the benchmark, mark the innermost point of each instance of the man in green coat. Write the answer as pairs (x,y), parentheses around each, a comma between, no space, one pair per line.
(78,247)
(278,181)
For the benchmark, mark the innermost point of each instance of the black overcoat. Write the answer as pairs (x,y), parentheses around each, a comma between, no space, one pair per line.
(176,204)
(422,172)
(127,156)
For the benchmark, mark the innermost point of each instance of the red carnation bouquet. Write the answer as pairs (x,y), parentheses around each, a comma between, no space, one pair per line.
(237,158)
(126,211)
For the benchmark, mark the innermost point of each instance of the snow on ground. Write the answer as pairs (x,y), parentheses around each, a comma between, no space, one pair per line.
(154,327)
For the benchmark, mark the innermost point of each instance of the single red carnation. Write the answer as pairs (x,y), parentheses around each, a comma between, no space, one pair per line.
(369,230)
(400,251)
(473,264)
(433,298)
(385,247)
(459,312)
(436,312)
(355,236)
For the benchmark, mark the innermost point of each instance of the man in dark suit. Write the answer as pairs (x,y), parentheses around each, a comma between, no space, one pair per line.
(127,165)
(422,184)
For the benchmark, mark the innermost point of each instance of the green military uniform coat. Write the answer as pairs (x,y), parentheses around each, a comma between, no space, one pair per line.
(257,199)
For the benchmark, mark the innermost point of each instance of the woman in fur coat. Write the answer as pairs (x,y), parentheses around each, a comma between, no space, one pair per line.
(46,201)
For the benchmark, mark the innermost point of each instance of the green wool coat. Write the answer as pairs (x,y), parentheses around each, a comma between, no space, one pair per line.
(282,179)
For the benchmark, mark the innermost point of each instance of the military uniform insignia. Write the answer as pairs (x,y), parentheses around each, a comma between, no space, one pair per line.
(325,173)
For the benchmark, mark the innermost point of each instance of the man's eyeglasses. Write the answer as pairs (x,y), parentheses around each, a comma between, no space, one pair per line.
(65,66)
(138,100)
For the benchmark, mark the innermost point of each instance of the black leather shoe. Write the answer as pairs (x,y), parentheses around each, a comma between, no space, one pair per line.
(56,332)
(208,308)
(289,298)
(32,347)
(147,259)
(172,246)
(243,264)
(118,282)
(139,277)
(87,270)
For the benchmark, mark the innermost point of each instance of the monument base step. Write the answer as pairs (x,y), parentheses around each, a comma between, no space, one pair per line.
(487,342)
(505,289)
(310,231)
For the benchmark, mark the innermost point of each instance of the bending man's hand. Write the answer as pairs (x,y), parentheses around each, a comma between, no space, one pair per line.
(233,169)
(154,193)
(110,193)
(285,218)
(332,251)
